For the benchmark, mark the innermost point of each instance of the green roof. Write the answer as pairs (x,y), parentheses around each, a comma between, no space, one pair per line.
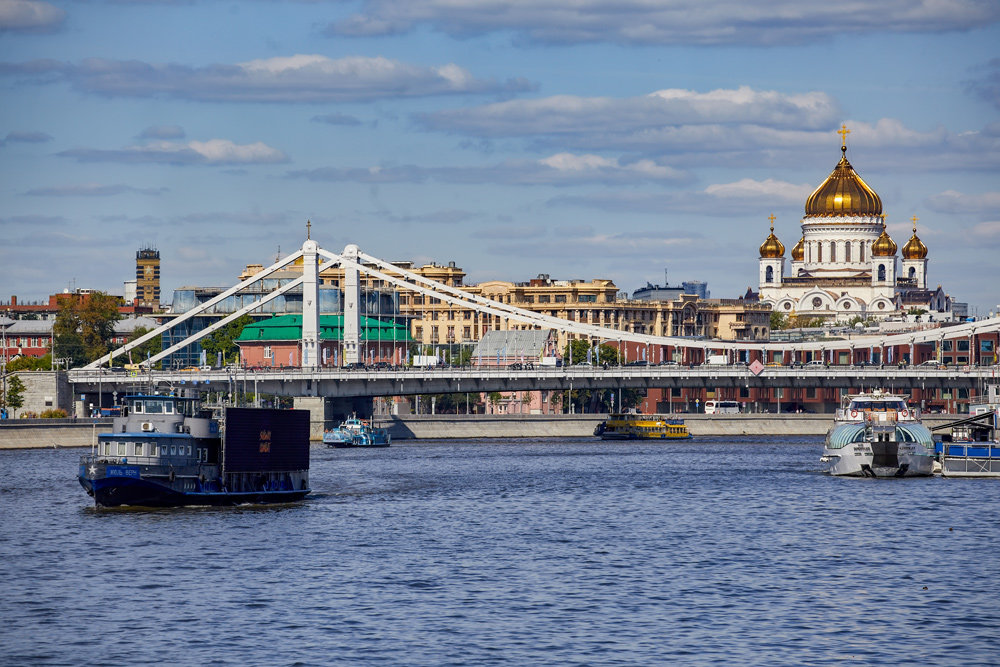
(331,327)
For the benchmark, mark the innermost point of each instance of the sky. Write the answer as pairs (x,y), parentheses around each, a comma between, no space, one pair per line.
(632,140)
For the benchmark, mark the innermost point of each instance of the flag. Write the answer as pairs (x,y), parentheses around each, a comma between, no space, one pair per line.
(590,355)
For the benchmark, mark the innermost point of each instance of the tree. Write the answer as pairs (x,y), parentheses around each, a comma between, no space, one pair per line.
(778,321)
(11,394)
(30,363)
(84,327)
(223,340)
(606,353)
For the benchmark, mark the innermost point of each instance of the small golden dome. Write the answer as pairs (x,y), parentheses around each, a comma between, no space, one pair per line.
(884,246)
(799,251)
(772,248)
(914,248)
(843,192)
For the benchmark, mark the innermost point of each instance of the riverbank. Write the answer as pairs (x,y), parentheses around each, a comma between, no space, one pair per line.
(17,434)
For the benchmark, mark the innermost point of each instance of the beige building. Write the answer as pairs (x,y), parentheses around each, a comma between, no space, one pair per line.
(597,302)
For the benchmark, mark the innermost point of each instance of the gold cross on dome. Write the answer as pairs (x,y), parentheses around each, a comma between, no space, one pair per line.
(914,219)
(843,132)
(309,225)
(772,219)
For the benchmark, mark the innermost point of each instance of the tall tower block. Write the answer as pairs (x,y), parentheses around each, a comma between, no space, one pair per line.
(147,277)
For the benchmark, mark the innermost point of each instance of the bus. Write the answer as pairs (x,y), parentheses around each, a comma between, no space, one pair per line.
(721,407)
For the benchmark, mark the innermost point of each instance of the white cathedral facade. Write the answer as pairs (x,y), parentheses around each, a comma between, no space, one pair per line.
(845,264)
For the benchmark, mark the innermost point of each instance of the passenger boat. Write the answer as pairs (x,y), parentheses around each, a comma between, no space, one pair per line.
(354,432)
(973,447)
(877,434)
(167,451)
(632,425)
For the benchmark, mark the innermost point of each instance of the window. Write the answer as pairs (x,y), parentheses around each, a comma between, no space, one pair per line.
(833,251)
(544,298)
(268,353)
(817,302)
(121,449)
(560,298)
(819,252)
(847,251)
(107,449)
(861,252)
(769,275)
(881,273)
(138,449)
(913,273)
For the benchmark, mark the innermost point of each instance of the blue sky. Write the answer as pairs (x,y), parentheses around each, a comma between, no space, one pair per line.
(592,139)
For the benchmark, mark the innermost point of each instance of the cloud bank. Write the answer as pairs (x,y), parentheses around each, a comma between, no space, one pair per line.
(29,16)
(291,79)
(211,152)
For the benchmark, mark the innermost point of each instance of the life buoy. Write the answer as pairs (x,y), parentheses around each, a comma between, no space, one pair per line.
(854,413)
(904,413)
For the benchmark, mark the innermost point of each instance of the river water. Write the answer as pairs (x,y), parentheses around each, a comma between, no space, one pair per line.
(523,552)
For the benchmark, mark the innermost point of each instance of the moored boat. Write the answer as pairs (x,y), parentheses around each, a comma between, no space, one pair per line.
(631,425)
(973,447)
(876,434)
(167,451)
(354,432)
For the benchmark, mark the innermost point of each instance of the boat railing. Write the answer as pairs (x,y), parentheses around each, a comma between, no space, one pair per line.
(887,416)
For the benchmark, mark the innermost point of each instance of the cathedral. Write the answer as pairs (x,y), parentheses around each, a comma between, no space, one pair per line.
(845,265)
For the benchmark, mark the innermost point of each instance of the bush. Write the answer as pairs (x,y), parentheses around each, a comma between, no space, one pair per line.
(55,413)
(28,415)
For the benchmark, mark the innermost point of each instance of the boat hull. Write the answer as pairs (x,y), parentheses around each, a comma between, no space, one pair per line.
(853,450)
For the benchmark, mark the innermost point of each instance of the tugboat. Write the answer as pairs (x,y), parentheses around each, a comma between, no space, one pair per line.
(168,451)
(354,432)
(877,434)
(633,425)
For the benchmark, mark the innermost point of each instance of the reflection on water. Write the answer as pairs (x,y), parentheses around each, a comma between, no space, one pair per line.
(555,551)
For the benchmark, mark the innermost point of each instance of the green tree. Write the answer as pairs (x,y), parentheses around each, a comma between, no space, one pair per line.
(84,326)
(778,321)
(11,394)
(30,363)
(223,340)
(607,353)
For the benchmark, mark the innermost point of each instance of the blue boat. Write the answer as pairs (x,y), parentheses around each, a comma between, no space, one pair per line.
(168,451)
(354,432)
(973,448)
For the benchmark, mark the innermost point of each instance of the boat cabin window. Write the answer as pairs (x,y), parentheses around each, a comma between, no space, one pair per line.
(107,449)
(121,449)
(138,449)
(137,407)
(173,450)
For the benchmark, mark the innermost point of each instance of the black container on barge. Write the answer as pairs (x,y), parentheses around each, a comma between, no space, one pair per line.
(167,451)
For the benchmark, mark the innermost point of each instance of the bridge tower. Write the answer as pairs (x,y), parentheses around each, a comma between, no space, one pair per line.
(352,316)
(310,305)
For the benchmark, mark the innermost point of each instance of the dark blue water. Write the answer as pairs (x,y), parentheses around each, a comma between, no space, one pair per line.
(553,552)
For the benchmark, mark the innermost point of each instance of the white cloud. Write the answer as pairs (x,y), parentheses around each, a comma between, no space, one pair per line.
(747,189)
(562,169)
(954,202)
(29,16)
(287,79)
(211,152)
(778,22)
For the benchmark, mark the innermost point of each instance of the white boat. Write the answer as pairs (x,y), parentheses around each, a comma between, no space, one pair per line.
(354,432)
(877,434)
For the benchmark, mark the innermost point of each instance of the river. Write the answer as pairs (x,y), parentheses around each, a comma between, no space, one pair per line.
(523,552)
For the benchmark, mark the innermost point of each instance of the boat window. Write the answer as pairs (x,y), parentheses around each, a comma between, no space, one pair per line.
(189,450)
(107,449)
(173,450)
(154,407)
(168,407)
(138,449)
(137,407)
(152,450)
(121,449)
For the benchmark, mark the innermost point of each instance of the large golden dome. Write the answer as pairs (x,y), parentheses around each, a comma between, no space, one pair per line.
(772,248)
(799,251)
(914,248)
(843,192)
(884,246)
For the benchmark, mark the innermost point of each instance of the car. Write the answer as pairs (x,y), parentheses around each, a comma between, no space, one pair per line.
(816,363)
(668,363)
(638,363)
(774,364)
(933,363)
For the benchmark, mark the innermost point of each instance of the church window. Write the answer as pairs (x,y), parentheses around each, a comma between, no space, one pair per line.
(817,302)
(847,251)
(819,252)
(788,306)
(861,251)
(833,251)
(881,272)
(913,273)
(769,275)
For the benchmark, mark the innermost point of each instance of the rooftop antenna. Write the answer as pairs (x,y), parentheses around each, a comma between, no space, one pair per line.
(308,229)
(277,257)
(666,283)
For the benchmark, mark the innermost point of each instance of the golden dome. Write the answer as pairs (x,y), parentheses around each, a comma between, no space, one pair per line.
(799,251)
(843,192)
(772,248)
(914,248)
(884,246)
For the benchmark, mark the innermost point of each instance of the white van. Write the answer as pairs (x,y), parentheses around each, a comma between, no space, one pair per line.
(722,407)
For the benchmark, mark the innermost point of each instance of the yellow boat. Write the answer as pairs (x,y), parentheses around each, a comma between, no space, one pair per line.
(636,426)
